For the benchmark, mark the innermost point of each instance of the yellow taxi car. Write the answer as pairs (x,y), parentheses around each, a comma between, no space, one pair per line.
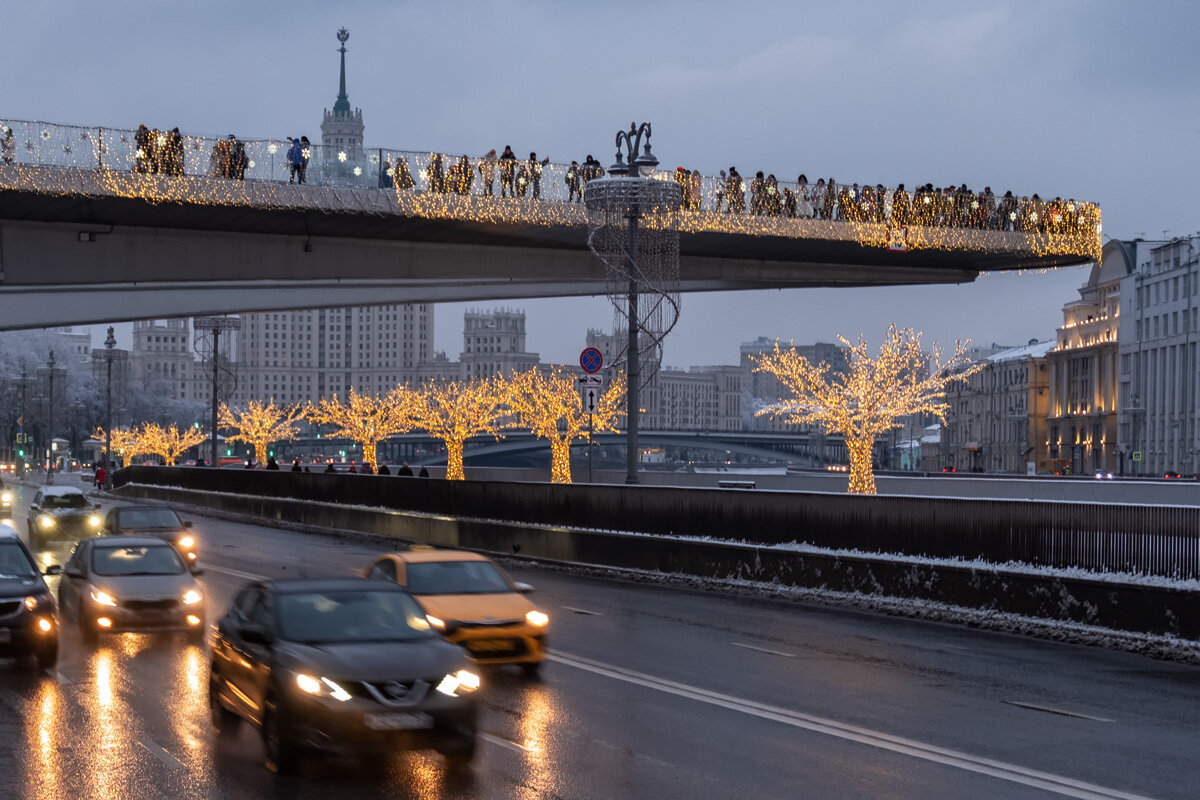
(472,602)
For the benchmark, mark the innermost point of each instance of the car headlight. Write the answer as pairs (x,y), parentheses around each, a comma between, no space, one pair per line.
(6,498)
(94,521)
(537,619)
(321,686)
(46,521)
(187,541)
(440,624)
(103,598)
(34,600)
(191,597)
(459,682)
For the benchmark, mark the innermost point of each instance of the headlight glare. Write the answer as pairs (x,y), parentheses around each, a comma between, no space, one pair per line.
(103,598)
(308,683)
(187,541)
(32,601)
(435,622)
(191,597)
(46,521)
(94,521)
(6,497)
(322,686)
(537,619)
(462,682)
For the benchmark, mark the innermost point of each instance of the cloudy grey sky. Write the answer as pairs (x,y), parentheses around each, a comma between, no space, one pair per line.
(1093,100)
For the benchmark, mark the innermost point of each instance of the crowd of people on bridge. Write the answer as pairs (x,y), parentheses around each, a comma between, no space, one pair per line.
(158,151)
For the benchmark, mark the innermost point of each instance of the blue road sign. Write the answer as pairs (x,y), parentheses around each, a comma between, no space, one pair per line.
(591,360)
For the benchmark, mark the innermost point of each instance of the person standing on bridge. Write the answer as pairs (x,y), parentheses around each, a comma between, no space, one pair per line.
(403,177)
(735,192)
(487,172)
(508,172)
(405,470)
(272,464)
(574,190)
(305,153)
(535,173)
(295,156)
(144,145)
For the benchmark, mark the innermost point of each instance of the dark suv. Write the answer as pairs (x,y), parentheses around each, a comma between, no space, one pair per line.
(28,622)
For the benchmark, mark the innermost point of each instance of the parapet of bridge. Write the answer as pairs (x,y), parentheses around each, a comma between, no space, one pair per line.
(80,179)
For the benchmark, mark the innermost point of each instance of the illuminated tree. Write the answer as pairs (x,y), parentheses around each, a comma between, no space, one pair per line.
(871,397)
(367,419)
(169,442)
(549,405)
(259,424)
(454,412)
(124,440)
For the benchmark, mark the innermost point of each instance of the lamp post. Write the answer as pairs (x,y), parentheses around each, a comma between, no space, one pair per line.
(639,166)
(108,354)
(216,325)
(50,423)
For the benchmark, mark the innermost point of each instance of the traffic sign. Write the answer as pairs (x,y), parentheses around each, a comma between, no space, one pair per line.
(1137,455)
(591,360)
(591,388)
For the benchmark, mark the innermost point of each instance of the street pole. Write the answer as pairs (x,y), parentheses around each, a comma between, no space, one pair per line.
(24,414)
(634,377)
(216,332)
(50,443)
(109,344)
(591,478)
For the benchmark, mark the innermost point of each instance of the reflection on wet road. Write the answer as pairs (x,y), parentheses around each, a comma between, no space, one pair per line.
(651,692)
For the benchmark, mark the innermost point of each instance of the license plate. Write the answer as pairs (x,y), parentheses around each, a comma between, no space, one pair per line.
(490,645)
(5,636)
(398,720)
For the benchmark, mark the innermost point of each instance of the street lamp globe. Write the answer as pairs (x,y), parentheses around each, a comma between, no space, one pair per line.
(646,163)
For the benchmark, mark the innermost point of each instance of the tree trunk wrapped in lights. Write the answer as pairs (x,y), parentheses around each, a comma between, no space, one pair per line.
(124,441)
(259,424)
(871,397)
(454,411)
(368,419)
(549,405)
(169,442)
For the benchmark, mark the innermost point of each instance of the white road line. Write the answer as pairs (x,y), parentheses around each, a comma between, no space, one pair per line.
(764,650)
(582,611)
(161,754)
(237,573)
(489,737)
(1060,711)
(58,676)
(1067,787)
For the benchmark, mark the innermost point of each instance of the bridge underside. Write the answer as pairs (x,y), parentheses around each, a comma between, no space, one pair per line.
(89,254)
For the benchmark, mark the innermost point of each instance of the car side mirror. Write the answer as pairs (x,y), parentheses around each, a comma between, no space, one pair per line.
(187,523)
(74,573)
(523,588)
(97,505)
(53,569)
(197,570)
(255,634)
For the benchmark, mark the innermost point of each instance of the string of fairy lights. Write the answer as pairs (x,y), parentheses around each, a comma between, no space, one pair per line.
(164,166)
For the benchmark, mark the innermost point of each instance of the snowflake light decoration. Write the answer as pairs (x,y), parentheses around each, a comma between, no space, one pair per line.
(342,156)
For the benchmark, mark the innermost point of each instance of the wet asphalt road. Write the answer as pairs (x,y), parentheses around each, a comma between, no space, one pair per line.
(652,692)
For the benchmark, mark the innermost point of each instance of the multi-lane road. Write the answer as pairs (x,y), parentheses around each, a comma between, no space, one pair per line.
(651,692)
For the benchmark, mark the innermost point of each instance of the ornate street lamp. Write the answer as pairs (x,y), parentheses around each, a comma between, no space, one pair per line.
(109,354)
(216,325)
(639,262)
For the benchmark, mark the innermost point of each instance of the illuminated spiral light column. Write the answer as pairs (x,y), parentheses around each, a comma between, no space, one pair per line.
(633,227)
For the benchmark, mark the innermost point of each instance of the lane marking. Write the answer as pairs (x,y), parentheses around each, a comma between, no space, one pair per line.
(161,754)
(1060,711)
(236,573)
(499,740)
(59,676)
(582,611)
(764,650)
(1067,787)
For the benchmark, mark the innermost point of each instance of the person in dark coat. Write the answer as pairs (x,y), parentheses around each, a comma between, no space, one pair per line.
(508,172)
(405,469)
(329,467)
(383,470)
(296,466)
(534,168)
(424,473)
(305,154)
(295,157)
(145,148)
(272,464)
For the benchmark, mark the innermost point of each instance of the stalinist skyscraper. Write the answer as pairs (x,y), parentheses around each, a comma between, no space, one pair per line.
(297,356)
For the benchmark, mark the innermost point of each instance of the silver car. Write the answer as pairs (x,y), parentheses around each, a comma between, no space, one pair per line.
(127,583)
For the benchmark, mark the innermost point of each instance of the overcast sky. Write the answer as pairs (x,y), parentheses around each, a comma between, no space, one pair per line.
(1092,100)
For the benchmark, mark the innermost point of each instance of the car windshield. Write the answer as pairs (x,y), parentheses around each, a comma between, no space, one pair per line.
(351,616)
(65,501)
(146,559)
(455,577)
(148,518)
(14,563)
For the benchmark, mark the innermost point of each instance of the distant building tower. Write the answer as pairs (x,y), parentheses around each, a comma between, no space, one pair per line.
(341,129)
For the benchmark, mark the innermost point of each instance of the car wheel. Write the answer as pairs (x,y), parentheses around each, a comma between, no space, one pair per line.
(282,754)
(223,720)
(459,753)
(47,655)
(532,669)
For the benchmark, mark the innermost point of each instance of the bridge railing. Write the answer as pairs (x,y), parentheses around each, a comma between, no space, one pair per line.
(266,160)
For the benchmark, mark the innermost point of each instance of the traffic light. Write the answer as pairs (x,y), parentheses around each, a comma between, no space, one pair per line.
(21,452)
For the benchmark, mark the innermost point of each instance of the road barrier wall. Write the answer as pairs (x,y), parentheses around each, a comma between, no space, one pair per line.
(1106,604)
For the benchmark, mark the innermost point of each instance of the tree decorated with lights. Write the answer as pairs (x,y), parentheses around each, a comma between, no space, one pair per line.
(549,405)
(170,441)
(368,419)
(454,411)
(871,397)
(124,440)
(260,424)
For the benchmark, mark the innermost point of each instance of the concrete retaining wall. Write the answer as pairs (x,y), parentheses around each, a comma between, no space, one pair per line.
(1105,604)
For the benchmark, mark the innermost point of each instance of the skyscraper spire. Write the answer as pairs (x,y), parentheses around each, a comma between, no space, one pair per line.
(342,106)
